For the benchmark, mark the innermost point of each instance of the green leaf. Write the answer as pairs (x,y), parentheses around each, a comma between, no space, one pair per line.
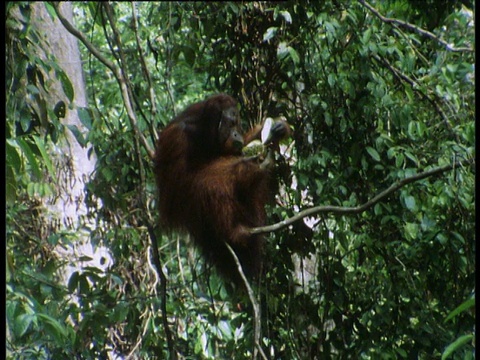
(10,185)
(73,282)
(457,344)
(452,67)
(294,55)
(461,308)
(189,55)
(31,189)
(78,134)
(45,157)
(107,173)
(410,203)
(399,160)
(282,49)
(66,84)
(45,189)
(331,79)
(84,116)
(366,36)
(330,28)
(225,329)
(22,323)
(12,156)
(373,153)
(402,353)
(412,127)
(84,285)
(33,89)
(50,10)
(459,237)
(60,109)
(31,157)
(286,15)
(411,230)
(412,157)
(120,312)
(442,239)
(270,33)
(54,327)
(328,119)
(421,128)
(25,121)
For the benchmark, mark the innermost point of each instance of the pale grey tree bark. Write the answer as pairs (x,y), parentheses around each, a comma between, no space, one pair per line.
(66,208)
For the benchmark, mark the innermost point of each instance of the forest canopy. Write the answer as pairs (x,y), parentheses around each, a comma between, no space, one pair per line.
(370,236)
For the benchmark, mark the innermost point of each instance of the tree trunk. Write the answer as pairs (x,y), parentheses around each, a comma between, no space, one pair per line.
(73,166)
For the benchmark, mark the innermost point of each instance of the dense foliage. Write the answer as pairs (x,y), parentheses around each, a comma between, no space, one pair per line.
(376,93)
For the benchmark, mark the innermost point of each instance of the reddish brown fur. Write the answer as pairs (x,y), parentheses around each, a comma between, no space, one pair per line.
(208,189)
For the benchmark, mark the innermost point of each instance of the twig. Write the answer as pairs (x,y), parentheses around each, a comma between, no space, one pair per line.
(256,307)
(340,210)
(409,26)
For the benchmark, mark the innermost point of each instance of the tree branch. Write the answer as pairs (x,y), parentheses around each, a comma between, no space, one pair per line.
(80,36)
(409,26)
(116,72)
(146,73)
(340,210)
(256,307)
(163,292)
(417,88)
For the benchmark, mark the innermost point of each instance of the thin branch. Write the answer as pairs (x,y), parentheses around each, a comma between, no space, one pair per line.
(116,72)
(409,26)
(146,73)
(80,36)
(256,307)
(358,209)
(143,63)
(131,354)
(416,87)
(163,292)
